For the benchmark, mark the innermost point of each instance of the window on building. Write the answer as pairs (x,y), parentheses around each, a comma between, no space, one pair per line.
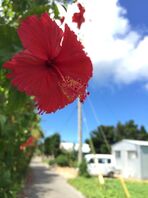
(91,161)
(104,161)
(118,154)
(131,155)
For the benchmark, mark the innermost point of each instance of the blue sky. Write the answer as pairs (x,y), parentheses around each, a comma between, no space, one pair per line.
(119,88)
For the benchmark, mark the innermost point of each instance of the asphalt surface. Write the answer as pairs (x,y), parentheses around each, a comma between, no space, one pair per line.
(43,183)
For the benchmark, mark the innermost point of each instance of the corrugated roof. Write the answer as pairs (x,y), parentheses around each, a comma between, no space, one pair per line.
(137,142)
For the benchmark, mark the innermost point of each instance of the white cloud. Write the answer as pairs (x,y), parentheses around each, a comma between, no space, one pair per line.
(119,53)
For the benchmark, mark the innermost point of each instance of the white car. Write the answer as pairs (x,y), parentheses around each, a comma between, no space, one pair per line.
(100,164)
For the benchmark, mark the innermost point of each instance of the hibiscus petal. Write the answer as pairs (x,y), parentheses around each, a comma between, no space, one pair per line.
(81,8)
(74,64)
(27,72)
(41,36)
(78,17)
(70,45)
(52,100)
(55,98)
(31,75)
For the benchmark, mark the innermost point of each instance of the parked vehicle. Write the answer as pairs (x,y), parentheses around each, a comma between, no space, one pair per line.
(100,164)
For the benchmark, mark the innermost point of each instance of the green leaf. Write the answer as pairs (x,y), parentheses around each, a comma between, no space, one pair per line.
(19,6)
(38,10)
(2,123)
(9,42)
(16,99)
(55,10)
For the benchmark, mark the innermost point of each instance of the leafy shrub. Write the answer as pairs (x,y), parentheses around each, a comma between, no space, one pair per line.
(72,157)
(83,169)
(52,145)
(62,160)
(73,164)
(52,162)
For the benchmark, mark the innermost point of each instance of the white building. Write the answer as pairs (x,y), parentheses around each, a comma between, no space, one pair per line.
(131,158)
(85,147)
(70,146)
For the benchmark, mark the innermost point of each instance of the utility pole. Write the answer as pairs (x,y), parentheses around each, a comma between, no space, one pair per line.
(79,132)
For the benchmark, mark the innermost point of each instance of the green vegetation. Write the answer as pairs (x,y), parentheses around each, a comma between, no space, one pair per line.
(91,188)
(83,169)
(52,145)
(51,148)
(18,119)
(62,160)
(113,134)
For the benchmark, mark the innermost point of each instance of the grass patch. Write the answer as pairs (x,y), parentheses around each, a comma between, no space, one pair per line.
(91,188)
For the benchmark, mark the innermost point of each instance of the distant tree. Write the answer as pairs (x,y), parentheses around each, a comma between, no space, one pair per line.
(142,134)
(52,145)
(104,136)
(130,130)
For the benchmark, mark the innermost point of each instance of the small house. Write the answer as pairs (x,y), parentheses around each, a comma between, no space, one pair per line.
(70,146)
(85,148)
(67,146)
(131,158)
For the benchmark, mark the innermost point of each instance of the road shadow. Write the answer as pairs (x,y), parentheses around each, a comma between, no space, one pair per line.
(38,182)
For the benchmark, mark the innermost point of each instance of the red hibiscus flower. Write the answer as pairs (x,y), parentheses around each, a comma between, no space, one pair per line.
(78,17)
(30,142)
(62,19)
(52,67)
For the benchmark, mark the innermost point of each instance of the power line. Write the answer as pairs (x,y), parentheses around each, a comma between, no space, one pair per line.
(87,128)
(97,120)
(70,116)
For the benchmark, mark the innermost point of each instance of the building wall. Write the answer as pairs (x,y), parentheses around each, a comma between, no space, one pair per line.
(144,162)
(128,163)
(122,147)
(132,163)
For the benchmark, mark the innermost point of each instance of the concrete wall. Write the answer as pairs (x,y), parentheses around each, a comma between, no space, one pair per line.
(129,166)
(144,162)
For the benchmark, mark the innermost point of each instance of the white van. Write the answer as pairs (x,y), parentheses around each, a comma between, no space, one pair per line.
(100,163)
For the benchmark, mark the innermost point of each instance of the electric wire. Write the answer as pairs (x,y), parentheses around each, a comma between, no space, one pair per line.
(70,116)
(87,129)
(99,123)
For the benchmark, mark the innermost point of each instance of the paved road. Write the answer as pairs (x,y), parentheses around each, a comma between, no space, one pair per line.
(43,183)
